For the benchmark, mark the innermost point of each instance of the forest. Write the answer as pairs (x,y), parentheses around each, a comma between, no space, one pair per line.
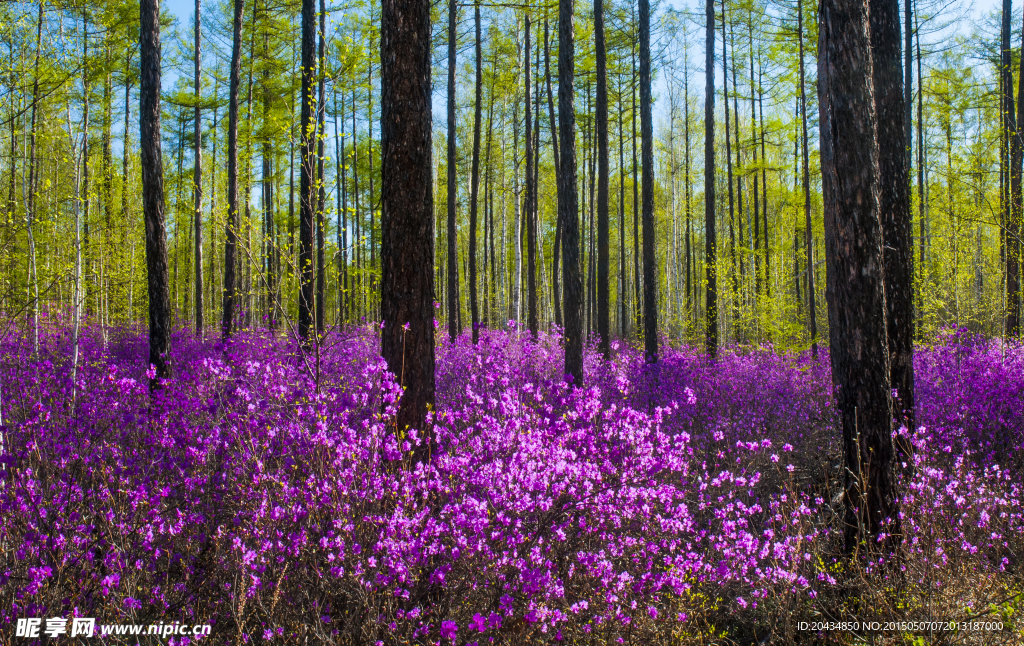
(400,322)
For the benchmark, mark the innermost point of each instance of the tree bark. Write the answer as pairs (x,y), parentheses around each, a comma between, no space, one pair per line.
(197,179)
(407,210)
(342,216)
(1016,155)
(153,191)
(321,184)
(647,161)
(894,205)
(557,160)
(531,197)
(231,233)
(603,313)
(808,230)
(568,204)
(855,290)
(454,322)
(307,169)
(474,313)
(710,242)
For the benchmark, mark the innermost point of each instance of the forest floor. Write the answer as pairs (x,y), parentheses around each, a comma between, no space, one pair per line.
(268,493)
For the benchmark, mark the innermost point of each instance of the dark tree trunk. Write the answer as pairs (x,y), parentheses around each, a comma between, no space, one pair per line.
(321,201)
(453,265)
(270,243)
(231,230)
(637,276)
(407,209)
(342,217)
(690,305)
(755,259)
(153,190)
(197,210)
(307,178)
(710,242)
(729,182)
(1016,156)
(922,200)
(555,157)
(894,205)
(489,282)
(531,198)
(356,240)
(908,85)
(764,187)
(603,314)
(474,189)
(855,291)
(623,278)
(808,230)
(567,197)
(647,160)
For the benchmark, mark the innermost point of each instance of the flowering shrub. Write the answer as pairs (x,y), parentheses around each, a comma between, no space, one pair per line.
(278,502)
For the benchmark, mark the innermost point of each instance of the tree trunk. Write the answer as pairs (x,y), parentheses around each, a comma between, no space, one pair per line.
(474,190)
(853,251)
(603,332)
(567,203)
(894,205)
(197,179)
(454,323)
(556,160)
(808,230)
(710,242)
(729,177)
(307,169)
(407,209)
(342,216)
(269,240)
(231,233)
(153,191)
(531,197)
(647,160)
(638,302)
(1016,155)
(321,202)
(764,185)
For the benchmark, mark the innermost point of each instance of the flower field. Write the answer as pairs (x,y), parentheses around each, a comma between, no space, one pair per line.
(686,502)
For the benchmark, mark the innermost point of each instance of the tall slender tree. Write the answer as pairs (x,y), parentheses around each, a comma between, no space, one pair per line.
(454,322)
(197,178)
(647,161)
(321,184)
(474,189)
(603,313)
(855,291)
(812,319)
(231,229)
(407,209)
(307,172)
(1012,212)
(153,191)
(894,203)
(710,241)
(567,197)
(531,196)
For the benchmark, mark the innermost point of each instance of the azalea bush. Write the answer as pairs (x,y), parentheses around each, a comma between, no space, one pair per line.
(269,493)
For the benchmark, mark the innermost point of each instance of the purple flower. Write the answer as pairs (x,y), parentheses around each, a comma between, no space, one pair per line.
(448,629)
